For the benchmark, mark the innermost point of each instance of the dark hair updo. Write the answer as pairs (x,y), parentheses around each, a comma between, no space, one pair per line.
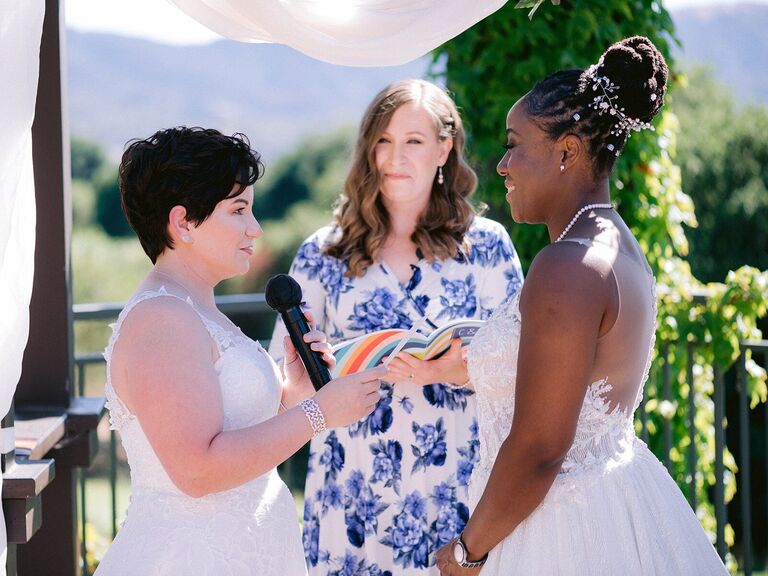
(191,167)
(564,102)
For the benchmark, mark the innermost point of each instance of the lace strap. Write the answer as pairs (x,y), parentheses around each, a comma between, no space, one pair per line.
(222,337)
(130,305)
(118,411)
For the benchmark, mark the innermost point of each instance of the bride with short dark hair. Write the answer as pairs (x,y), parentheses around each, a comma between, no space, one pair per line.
(203,412)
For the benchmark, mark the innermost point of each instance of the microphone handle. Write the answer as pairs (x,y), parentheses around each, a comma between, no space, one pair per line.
(297,326)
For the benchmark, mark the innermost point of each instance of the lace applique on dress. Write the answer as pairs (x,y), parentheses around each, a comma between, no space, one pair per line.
(602,432)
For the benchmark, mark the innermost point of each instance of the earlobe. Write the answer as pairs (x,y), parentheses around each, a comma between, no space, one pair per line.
(572,149)
(178,224)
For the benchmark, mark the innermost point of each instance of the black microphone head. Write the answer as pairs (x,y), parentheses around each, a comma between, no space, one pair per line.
(282,292)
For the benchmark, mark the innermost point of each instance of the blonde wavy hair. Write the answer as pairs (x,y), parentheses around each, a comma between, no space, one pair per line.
(360,213)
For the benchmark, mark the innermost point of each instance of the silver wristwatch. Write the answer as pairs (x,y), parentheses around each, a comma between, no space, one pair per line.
(460,554)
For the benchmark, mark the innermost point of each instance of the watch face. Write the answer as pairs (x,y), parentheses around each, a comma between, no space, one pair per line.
(458,552)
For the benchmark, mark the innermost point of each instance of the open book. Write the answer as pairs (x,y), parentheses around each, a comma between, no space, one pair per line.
(372,349)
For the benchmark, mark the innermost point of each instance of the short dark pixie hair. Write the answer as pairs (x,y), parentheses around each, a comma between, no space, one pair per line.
(639,70)
(191,167)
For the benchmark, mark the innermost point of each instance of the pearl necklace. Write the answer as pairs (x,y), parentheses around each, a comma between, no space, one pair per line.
(579,213)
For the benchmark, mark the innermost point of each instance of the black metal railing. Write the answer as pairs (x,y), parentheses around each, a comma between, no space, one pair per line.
(662,376)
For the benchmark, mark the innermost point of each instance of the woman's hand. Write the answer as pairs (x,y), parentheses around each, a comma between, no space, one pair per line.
(348,399)
(450,367)
(297,385)
(447,565)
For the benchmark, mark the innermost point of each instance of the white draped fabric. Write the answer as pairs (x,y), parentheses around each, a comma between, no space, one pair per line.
(21,26)
(346,32)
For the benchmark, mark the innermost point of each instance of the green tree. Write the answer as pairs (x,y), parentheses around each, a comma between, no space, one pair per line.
(493,64)
(109,212)
(314,172)
(87,159)
(723,156)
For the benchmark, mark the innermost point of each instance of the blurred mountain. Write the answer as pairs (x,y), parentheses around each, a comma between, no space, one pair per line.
(121,88)
(732,39)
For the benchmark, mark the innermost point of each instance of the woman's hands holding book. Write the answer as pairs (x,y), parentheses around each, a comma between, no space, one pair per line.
(449,368)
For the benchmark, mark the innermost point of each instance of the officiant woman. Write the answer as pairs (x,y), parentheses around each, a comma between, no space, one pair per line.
(406,244)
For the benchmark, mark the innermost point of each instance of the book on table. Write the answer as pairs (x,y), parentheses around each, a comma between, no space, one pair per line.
(372,349)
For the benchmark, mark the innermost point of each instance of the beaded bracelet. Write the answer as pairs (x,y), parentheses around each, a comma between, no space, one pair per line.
(463,385)
(314,414)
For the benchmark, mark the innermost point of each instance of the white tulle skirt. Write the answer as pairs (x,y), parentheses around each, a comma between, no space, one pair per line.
(252,530)
(621,518)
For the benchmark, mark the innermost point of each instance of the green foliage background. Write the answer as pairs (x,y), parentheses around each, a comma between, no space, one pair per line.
(498,60)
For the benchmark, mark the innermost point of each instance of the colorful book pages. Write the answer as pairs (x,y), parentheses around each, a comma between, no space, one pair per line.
(372,349)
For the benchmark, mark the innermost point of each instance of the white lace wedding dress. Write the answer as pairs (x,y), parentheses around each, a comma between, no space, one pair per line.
(251,530)
(613,508)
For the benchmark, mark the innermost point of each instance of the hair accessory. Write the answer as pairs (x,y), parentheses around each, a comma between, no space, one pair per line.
(576,117)
(606,102)
(440,178)
(314,414)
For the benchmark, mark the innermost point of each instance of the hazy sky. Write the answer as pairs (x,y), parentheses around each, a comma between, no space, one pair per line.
(161,21)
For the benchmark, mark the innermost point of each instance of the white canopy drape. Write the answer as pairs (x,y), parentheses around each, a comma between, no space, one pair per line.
(346,32)
(21,26)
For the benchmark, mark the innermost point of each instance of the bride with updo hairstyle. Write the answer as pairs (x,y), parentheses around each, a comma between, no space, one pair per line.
(563,485)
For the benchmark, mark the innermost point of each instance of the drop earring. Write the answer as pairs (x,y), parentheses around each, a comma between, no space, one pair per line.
(440,178)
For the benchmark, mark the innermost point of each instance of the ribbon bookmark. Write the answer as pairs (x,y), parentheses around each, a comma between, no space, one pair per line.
(404,340)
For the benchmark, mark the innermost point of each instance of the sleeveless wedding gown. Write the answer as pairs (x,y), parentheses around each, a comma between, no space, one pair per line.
(251,530)
(613,508)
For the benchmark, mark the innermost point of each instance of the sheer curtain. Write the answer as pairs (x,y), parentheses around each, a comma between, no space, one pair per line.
(21,25)
(347,32)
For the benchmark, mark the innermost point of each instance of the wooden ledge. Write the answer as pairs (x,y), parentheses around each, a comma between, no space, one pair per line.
(35,437)
(85,413)
(24,479)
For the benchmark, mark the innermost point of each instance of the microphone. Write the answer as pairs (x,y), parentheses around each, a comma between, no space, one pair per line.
(283,294)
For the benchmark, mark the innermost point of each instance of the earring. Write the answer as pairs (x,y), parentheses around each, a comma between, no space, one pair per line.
(186,238)
(562,167)
(440,178)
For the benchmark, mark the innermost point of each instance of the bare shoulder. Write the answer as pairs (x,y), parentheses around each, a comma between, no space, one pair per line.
(163,325)
(567,275)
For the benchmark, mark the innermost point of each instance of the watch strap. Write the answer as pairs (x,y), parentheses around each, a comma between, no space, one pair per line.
(466,563)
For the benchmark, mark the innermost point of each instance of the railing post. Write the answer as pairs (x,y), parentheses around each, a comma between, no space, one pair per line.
(692,455)
(667,424)
(721,512)
(7,458)
(745,489)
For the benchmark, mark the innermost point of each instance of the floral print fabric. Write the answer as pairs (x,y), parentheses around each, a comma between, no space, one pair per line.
(384,494)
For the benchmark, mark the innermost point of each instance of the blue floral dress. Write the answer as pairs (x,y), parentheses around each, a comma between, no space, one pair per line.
(384,494)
